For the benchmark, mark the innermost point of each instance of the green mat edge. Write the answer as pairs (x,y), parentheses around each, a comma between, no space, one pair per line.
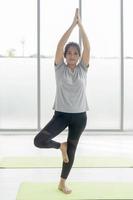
(56,162)
(61,196)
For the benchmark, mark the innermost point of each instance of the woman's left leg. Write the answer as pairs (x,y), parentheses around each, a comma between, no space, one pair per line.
(76,127)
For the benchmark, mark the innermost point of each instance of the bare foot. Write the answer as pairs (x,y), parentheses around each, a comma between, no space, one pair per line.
(64,189)
(63,148)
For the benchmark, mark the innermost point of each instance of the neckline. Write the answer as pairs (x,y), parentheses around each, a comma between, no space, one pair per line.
(72,71)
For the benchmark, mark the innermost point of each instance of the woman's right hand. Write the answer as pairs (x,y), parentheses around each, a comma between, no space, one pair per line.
(75,20)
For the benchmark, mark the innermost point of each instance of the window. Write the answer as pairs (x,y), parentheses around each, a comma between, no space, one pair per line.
(102,22)
(128,65)
(18,66)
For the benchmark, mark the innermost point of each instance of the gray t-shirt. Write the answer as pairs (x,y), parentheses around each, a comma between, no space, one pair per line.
(70,88)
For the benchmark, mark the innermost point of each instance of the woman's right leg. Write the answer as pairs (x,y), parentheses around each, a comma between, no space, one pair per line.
(44,138)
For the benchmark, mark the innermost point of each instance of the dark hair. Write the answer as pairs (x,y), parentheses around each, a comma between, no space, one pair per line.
(72,44)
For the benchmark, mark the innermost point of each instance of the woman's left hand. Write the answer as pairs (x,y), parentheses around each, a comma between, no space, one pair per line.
(78,18)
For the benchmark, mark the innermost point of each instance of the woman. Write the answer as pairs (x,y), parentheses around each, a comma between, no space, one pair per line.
(70,102)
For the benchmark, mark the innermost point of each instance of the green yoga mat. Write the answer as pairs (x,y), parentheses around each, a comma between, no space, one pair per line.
(56,162)
(83,190)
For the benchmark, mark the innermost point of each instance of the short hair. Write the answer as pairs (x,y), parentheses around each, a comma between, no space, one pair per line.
(72,44)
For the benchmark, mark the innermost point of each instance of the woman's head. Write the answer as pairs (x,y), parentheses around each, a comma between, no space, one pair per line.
(72,53)
(74,45)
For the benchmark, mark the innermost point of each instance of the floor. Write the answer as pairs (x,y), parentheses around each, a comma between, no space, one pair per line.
(92,145)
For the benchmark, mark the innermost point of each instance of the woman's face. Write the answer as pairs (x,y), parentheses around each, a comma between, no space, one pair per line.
(72,56)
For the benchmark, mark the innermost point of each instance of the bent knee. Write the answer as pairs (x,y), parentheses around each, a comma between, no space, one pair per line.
(41,139)
(37,141)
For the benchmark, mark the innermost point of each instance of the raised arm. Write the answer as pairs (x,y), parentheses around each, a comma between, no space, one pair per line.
(63,40)
(86,45)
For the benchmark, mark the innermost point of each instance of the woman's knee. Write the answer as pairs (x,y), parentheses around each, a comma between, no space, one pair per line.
(42,138)
(37,140)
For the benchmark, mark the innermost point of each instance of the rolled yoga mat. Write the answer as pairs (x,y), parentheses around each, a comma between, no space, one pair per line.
(81,190)
(56,162)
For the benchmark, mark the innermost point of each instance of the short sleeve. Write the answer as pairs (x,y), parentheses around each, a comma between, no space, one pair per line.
(57,66)
(85,67)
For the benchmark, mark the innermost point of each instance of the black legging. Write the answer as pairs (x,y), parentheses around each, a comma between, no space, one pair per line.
(75,122)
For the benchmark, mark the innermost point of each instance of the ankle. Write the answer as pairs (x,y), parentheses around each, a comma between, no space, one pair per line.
(62,181)
(63,148)
(62,145)
(62,187)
